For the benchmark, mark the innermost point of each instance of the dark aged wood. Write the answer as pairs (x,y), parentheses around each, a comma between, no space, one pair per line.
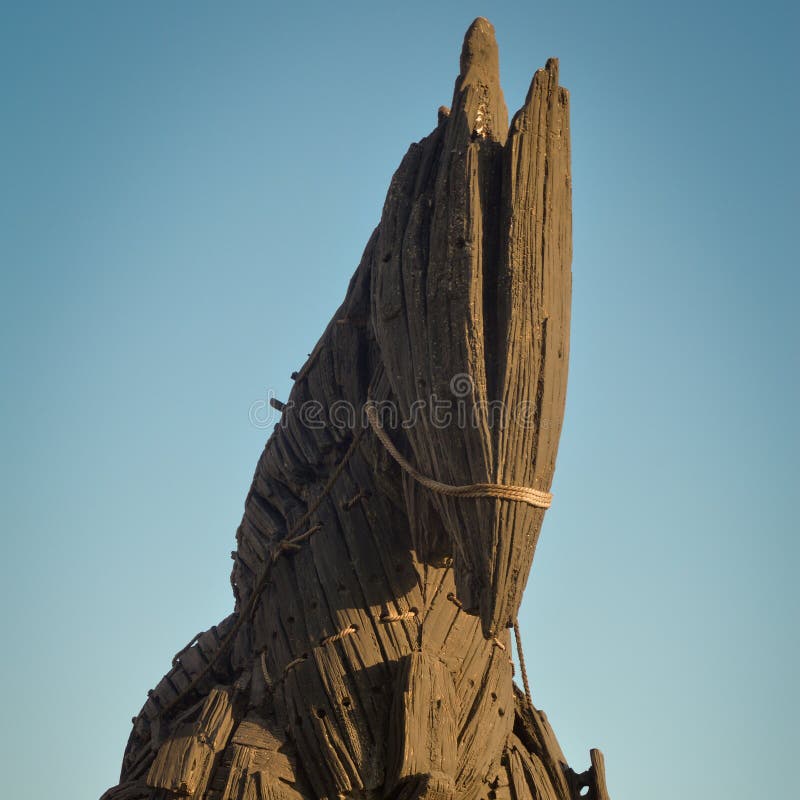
(368,655)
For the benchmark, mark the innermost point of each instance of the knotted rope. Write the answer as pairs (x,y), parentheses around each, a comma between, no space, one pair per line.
(522,494)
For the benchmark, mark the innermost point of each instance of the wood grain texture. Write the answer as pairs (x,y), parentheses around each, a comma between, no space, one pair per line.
(369,653)
(422,733)
(185,761)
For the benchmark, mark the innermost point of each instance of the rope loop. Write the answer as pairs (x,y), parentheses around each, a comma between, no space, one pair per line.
(521,494)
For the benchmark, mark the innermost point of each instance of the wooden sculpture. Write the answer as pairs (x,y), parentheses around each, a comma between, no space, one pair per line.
(392,520)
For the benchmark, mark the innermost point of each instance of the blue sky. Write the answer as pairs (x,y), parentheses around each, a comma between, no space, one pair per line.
(185,191)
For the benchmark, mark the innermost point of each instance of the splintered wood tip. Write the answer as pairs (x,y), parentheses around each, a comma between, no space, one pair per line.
(480,47)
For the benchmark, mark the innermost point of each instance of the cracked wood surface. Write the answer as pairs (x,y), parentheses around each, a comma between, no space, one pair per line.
(368,654)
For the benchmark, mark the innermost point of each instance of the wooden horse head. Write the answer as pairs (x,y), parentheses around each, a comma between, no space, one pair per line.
(421,434)
(456,324)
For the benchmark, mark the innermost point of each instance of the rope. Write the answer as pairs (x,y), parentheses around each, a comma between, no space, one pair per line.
(497,643)
(388,617)
(362,494)
(252,604)
(308,534)
(263,661)
(337,637)
(522,494)
(454,600)
(295,662)
(292,541)
(177,657)
(522,669)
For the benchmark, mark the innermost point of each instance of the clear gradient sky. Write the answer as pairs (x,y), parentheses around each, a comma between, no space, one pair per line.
(185,191)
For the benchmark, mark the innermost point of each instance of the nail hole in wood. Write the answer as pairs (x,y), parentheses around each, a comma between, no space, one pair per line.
(347,702)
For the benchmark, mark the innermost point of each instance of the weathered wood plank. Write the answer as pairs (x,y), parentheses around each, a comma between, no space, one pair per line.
(528,777)
(260,764)
(185,761)
(423,736)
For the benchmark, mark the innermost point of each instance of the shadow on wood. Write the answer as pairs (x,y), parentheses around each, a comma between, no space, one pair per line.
(368,654)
